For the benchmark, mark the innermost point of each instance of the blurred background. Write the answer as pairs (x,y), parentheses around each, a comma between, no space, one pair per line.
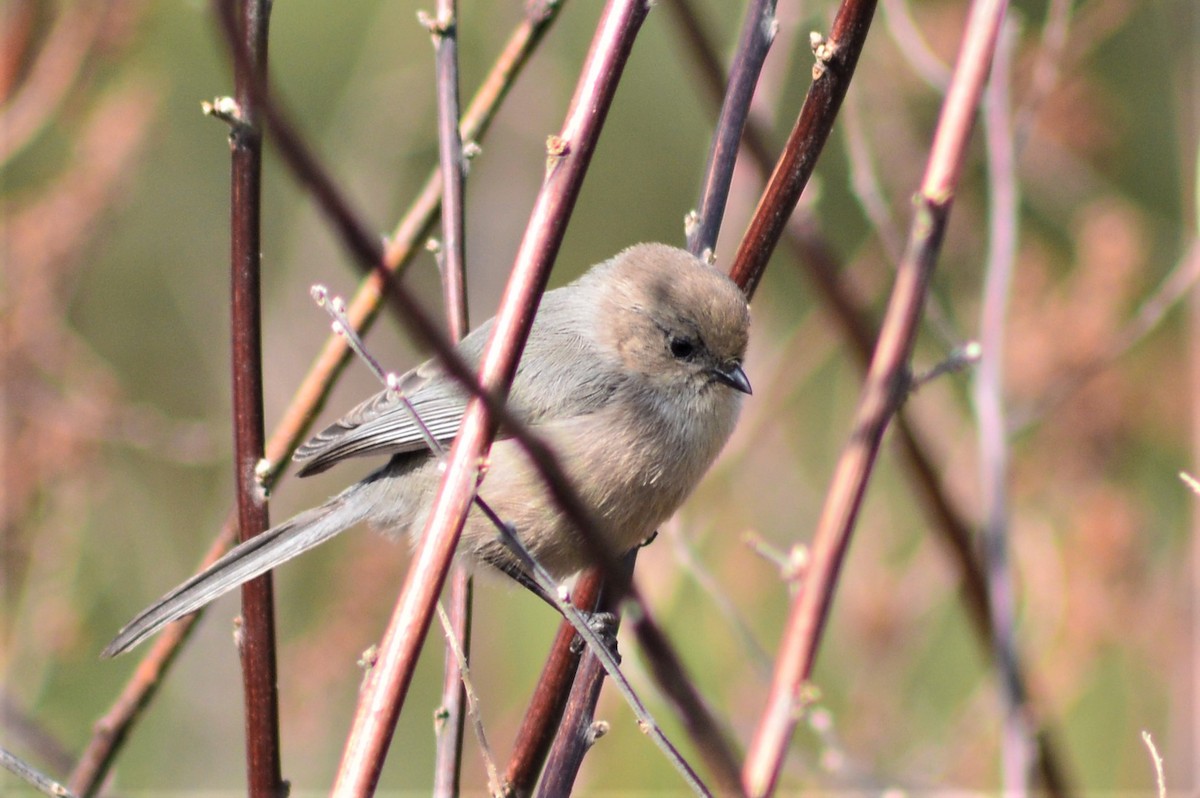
(117,443)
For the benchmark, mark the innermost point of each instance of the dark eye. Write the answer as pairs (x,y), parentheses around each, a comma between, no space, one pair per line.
(682,348)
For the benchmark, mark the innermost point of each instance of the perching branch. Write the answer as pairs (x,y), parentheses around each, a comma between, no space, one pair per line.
(569,155)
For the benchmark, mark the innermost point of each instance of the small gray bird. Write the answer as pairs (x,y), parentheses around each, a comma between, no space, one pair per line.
(632,373)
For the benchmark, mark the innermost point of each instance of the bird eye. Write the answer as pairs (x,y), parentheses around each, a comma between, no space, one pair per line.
(682,348)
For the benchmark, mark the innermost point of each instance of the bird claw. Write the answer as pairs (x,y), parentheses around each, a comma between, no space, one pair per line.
(604,624)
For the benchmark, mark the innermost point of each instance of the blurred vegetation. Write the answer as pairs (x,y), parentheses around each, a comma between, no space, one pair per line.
(116,447)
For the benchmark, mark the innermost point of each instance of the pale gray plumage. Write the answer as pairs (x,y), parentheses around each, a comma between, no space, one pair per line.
(632,373)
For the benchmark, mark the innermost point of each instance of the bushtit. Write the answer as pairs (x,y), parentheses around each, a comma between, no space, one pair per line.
(633,375)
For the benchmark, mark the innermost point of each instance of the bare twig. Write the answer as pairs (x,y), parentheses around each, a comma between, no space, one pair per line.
(577,731)
(1046,68)
(911,44)
(463,672)
(452,259)
(599,648)
(685,556)
(569,155)
(1017,737)
(1159,780)
(541,720)
(758,31)
(22,731)
(32,776)
(836,57)
(865,181)
(257,633)
(884,388)
(852,314)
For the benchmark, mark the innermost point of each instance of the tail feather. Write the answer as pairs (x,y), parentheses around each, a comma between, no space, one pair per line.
(242,563)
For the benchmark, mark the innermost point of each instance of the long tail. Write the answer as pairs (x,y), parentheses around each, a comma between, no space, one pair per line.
(246,561)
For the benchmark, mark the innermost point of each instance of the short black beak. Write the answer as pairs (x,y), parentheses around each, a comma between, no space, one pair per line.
(732,375)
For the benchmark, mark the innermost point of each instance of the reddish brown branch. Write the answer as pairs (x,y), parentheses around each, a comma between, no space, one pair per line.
(575,733)
(541,720)
(853,317)
(257,632)
(837,57)
(885,388)
(570,154)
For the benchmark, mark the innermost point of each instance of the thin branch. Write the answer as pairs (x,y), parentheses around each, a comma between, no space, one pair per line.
(687,559)
(853,317)
(21,730)
(884,389)
(577,731)
(912,46)
(865,181)
(1017,737)
(110,732)
(758,31)
(32,776)
(257,633)
(452,260)
(541,720)
(471,698)
(601,650)
(837,57)
(1047,68)
(568,157)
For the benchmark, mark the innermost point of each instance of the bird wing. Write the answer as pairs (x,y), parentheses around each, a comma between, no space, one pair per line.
(549,384)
